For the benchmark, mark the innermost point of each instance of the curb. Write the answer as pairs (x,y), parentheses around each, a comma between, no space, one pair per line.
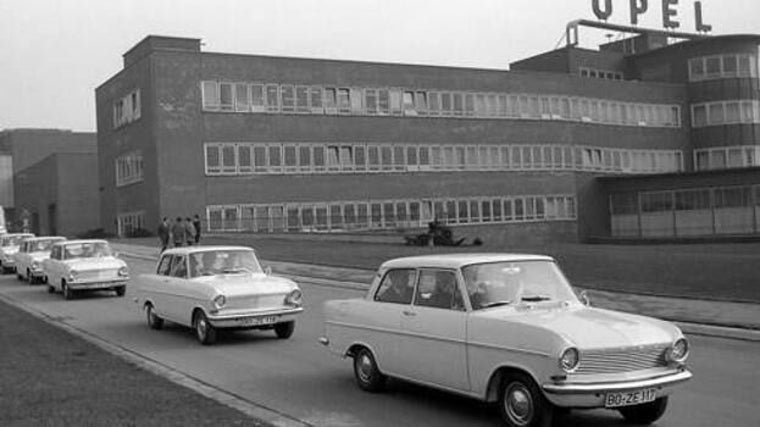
(714,331)
(260,414)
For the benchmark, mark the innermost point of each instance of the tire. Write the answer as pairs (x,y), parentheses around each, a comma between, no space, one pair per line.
(51,289)
(285,329)
(204,331)
(521,403)
(368,376)
(29,278)
(120,290)
(67,293)
(20,277)
(154,322)
(647,413)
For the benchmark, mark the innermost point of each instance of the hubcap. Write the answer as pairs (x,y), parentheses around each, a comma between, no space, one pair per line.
(201,328)
(365,368)
(150,315)
(518,404)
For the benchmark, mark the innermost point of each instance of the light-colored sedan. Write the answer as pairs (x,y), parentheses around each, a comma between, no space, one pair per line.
(30,255)
(9,245)
(84,265)
(507,329)
(214,287)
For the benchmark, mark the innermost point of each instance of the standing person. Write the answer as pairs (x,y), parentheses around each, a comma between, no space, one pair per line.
(164,232)
(197,225)
(178,233)
(189,231)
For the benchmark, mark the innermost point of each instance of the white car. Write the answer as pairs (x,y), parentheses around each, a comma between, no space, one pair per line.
(507,329)
(214,287)
(84,265)
(30,255)
(9,244)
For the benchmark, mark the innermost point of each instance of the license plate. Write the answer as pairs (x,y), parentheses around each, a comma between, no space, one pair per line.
(615,400)
(254,321)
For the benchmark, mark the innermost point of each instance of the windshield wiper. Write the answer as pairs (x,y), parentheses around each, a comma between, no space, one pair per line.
(237,270)
(496,304)
(536,298)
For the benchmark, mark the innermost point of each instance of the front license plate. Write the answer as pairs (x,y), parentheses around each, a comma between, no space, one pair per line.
(255,321)
(628,398)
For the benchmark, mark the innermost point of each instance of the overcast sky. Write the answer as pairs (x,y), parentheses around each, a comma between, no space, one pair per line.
(53,54)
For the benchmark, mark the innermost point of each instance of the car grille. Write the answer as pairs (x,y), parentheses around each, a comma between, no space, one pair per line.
(622,359)
(92,275)
(263,301)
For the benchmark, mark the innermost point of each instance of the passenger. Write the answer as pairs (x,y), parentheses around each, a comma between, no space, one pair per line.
(197,225)
(178,233)
(189,231)
(164,233)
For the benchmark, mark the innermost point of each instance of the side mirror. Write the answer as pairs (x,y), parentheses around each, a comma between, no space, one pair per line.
(268,270)
(585,298)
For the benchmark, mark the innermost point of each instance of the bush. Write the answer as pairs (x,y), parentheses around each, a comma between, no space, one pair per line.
(95,233)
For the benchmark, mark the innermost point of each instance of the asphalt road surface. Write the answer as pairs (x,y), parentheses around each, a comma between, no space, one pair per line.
(299,378)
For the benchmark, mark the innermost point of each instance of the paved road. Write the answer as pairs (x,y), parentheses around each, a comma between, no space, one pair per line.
(299,378)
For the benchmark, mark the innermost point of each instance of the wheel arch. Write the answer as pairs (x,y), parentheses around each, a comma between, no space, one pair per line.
(498,375)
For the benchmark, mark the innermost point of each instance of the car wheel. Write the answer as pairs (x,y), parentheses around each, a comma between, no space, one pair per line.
(19,276)
(154,321)
(646,413)
(204,331)
(368,376)
(29,278)
(67,293)
(285,329)
(521,403)
(120,291)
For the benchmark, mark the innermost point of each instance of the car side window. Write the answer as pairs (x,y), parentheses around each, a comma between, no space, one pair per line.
(178,267)
(397,286)
(438,289)
(54,253)
(163,266)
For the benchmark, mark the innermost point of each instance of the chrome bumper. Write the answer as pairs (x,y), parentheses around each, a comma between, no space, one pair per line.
(253,318)
(80,286)
(591,395)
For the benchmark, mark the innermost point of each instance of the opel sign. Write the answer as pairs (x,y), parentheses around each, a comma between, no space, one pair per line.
(603,10)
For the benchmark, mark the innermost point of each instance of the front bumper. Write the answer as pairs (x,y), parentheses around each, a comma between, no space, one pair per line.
(592,395)
(253,318)
(105,284)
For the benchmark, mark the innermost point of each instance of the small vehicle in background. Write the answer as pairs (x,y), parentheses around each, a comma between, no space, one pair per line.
(218,287)
(84,265)
(9,245)
(30,255)
(507,329)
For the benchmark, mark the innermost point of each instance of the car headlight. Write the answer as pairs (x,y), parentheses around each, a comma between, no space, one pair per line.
(679,351)
(569,360)
(219,301)
(294,298)
(35,265)
(123,272)
(73,275)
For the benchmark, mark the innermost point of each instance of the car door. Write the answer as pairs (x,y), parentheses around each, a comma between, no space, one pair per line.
(155,285)
(48,268)
(382,316)
(175,298)
(434,331)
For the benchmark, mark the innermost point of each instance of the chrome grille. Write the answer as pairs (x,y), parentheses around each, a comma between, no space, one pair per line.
(92,275)
(622,359)
(259,301)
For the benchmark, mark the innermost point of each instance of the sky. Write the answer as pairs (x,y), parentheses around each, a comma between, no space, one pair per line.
(54,53)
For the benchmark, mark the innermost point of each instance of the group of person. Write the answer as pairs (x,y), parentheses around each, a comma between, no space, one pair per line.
(181,232)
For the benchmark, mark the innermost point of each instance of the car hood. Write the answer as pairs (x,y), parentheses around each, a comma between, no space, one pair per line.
(9,250)
(39,256)
(103,263)
(248,283)
(587,327)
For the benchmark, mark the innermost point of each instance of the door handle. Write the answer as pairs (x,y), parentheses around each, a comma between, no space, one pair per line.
(409,313)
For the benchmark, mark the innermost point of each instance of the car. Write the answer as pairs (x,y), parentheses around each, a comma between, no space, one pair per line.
(84,265)
(30,255)
(9,245)
(218,287)
(507,329)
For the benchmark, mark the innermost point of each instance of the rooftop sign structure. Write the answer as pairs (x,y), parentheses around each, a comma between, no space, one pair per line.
(603,9)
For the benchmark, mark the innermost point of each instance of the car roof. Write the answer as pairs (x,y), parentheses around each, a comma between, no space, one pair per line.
(17,235)
(185,250)
(460,260)
(38,238)
(80,241)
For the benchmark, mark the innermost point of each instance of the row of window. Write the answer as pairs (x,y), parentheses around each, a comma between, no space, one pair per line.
(723,66)
(126,109)
(320,158)
(600,74)
(388,214)
(725,113)
(684,200)
(129,222)
(129,168)
(727,157)
(287,98)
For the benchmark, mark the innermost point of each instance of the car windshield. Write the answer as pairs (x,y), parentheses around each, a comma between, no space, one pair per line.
(209,263)
(86,250)
(13,240)
(41,245)
(503,283)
